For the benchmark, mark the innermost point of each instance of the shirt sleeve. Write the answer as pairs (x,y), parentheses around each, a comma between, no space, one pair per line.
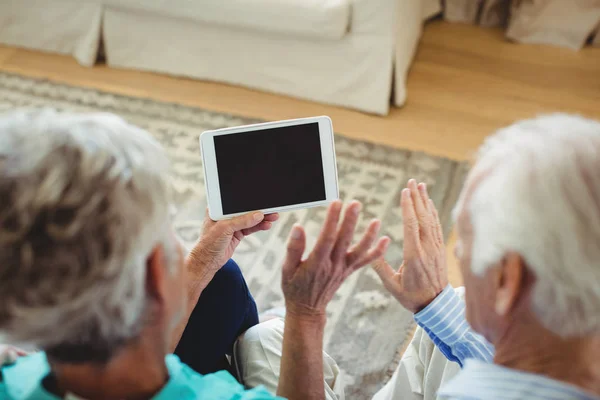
(445,322)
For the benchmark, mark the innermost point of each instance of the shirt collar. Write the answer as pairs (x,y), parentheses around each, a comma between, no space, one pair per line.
(23,380)
(479,380)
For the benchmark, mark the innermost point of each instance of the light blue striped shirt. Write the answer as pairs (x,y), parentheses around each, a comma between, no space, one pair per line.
(445,322)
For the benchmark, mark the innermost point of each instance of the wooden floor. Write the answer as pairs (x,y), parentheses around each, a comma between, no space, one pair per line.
(465,82)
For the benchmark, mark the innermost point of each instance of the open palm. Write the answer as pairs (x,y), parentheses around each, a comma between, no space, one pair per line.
(424,273)
(309,284)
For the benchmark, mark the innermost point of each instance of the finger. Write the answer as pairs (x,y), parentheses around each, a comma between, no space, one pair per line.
(427,226)
(420,200)
(376,252)
(208,222)
(295,249)
(263,226)
(245,221)
(419,205)
(272,217)
(411,224)
(383,269)
(328,234)
(439,230)
(346,232)
(365,243)
(238,235)
(424,195)
(416,196)
(20,353)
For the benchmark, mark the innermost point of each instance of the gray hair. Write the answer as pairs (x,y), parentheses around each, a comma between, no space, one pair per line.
(83,201)
(541,199)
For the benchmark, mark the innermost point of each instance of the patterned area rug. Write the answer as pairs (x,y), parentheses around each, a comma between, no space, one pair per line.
(366,326)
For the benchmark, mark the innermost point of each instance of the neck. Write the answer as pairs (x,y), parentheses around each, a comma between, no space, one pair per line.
(136,372)
(530,347)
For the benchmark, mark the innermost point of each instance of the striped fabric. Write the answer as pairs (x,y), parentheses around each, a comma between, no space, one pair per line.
(479,380)
(445,322)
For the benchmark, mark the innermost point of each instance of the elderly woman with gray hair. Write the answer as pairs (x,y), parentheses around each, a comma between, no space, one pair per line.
(92,273)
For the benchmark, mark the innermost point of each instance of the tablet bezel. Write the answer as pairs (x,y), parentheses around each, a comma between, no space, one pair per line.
(211,176)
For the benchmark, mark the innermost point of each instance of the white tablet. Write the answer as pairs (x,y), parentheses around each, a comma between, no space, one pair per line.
(271,167)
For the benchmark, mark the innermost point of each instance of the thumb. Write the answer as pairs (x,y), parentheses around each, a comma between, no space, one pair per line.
(7,355)
(245,221)
(295,249)
(384,270)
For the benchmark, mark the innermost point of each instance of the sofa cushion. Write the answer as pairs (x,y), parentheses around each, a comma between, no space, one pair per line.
(323,19)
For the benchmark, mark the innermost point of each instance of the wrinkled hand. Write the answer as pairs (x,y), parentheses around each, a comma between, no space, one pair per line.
(219,239)
(308,285)
(424,273)
(9,354)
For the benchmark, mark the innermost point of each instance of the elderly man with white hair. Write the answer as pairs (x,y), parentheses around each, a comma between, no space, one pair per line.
(528,226)
(92,274)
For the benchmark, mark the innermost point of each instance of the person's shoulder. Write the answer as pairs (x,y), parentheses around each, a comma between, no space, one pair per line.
(23,377)
(222,385)
(188,385)
(3,394)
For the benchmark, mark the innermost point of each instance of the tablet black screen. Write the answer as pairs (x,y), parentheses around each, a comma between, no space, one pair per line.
(270,168)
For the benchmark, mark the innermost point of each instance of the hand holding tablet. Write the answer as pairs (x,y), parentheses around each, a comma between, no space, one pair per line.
(269,167)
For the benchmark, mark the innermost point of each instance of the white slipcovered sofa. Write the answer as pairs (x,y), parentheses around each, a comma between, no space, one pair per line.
(352,53)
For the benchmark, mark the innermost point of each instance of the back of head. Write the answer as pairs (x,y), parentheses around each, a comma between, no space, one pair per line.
(541,198)
(83,200)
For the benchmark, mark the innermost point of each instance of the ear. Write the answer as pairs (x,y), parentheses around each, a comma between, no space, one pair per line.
(155,275)
(511,283)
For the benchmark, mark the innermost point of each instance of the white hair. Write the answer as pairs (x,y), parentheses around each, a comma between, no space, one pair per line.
(539,196)
(83,201)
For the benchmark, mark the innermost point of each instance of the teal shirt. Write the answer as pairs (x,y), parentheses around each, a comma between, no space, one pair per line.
(23,381)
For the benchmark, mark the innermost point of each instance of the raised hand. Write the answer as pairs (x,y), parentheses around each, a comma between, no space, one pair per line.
(424,274)
(309,285)
(216,245)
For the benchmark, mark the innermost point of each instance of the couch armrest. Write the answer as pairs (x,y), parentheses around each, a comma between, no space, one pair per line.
(373,17)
